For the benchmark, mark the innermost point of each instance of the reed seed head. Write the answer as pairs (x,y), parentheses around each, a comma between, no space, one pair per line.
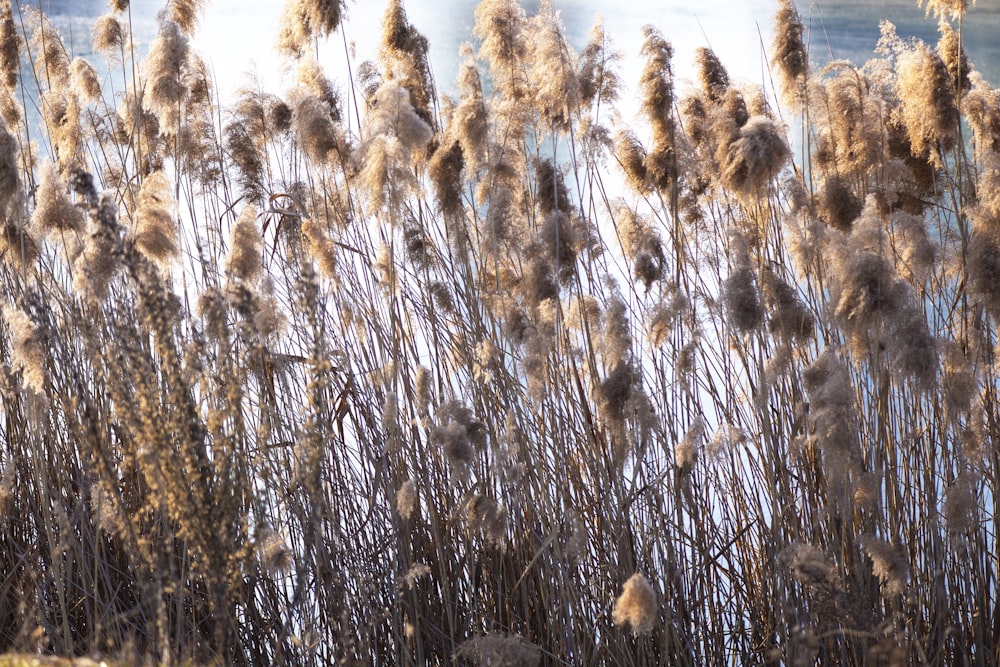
(945,9)
(929,111)
(501,25)
(713,75)
(110,36)
(741,300)
(637,605)
(888,564)
(597,76)
(54,212)
(951,51)
(27,348)
(756,157)
(657,81)
(789,54)
(245,250)
(961,506)
(500,650)
(185,14)
(10,47)
(552,70)
(156,231)
(406,499)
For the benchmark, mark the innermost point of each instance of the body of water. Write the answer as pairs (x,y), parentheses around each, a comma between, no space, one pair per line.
(237,35)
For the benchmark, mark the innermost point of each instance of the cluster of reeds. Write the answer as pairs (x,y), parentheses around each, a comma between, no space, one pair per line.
(369,375)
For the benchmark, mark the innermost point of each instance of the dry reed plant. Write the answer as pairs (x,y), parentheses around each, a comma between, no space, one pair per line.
(282,385)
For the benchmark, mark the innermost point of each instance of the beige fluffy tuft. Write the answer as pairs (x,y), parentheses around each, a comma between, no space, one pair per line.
(54,212)
(156,232)
(245,261)
(636,605)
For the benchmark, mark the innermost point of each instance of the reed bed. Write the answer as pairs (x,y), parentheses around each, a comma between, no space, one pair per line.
(355,373)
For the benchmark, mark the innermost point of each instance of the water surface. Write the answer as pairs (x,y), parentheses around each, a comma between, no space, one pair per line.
(238,35)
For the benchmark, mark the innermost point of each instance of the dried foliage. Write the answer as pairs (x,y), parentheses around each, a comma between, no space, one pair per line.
(367,376)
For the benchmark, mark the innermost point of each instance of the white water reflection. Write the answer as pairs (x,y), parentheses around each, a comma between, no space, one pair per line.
(233,37)
(239,35)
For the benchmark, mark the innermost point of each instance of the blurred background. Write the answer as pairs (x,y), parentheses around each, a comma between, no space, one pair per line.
(238,35)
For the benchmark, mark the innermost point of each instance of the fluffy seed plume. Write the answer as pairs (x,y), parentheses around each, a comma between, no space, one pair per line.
(52,60)
(832,419)
(469,120)
(27,353)
(788,53)
(311,76)
(657,81)
(83,80)
(688,449)
(641,244)
(156,233)
(396,137)
(17,246)
(597,76)
(54,212)
(110,36)
(615,342)
(453,437)
(303,20)
(961,508)
(185,14)
(488,517)
(244,262)
(445,170)
(927,99)
(294,29)
(273,551)
(810,565)
(416,572)
(852,139)
(10,181)
(245,136)
(912,244)
(941,9)
(404,52)
(632,156)
(101,256)
(10,47)
(500,650)
(982,109)
(163,69)
(888,564)
(790,318)
(501,24)
(741,300)
(756,156)
(406,499)
(984,266)
(324,15)
(551,188)
(61,113)
(636,605)
(552,70)
(383,173)
(912,347)
(867,290)
(395,115)
(836,204)
(713,75)
(951,51)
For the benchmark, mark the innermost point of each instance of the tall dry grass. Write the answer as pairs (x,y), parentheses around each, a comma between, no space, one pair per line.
(369,375)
